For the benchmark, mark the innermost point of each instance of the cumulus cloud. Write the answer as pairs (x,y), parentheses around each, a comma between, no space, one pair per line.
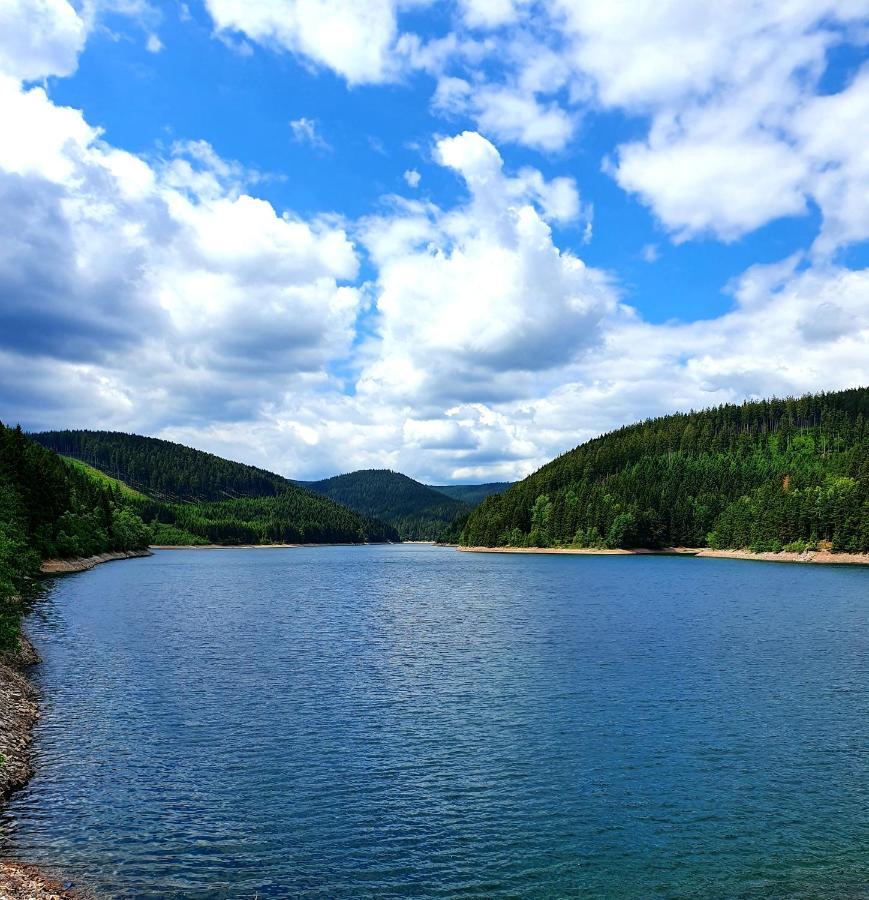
(833,133)
(168,277)
(355,40)
(730,91)
(471,297)
(490,13)
(507,113)
(39,38)
(164,296)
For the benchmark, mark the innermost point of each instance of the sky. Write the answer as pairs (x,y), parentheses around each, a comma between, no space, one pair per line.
(454,239)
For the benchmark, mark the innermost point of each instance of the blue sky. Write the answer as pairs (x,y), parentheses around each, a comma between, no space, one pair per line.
(217,234)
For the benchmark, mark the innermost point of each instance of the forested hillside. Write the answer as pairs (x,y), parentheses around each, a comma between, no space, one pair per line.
(471,493)
(191,497)
(417,512)
(294,517)
(48,508)
(162,469)
(762,475)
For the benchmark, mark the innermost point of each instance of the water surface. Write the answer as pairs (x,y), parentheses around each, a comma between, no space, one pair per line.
(414,722)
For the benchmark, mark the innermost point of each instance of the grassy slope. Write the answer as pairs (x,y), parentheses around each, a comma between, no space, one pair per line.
(106,480)
(193,497)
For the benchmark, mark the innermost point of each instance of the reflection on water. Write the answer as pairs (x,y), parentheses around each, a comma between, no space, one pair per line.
(411,721)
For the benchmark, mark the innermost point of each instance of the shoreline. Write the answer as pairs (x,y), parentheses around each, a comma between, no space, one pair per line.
(808,557)
(225,546)
(813,557)
(84,563)
(19,713)
(585,551)
(275,546)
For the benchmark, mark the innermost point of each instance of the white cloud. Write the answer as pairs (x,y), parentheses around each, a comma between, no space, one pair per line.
(833,134)
(645,57)
(165,297)
(716,184)
(469,295)
(153,44)
(736,137)
(490,13)
(412,177)
(164,283)
(39,38)
(353,39)
(306,131)
(507,113)
(178,304)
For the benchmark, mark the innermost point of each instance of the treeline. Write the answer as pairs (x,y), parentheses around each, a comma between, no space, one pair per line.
(471,494)
(50,509)
(163,469)
(771,475)
(294,517)
(416,511)
(193,497)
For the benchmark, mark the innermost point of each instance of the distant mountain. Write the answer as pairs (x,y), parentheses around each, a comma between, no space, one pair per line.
(764,475)
(416,511)
(195,497)
(472,493)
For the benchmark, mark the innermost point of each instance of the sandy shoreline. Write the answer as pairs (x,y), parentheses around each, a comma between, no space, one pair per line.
(817,557)
(584,551)
(82,564)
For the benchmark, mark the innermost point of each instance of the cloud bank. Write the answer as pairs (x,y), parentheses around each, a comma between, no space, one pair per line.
(458,341)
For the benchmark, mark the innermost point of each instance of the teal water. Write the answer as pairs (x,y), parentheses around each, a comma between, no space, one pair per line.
(415,722)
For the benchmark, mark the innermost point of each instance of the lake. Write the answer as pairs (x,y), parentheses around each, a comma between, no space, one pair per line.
(410,721)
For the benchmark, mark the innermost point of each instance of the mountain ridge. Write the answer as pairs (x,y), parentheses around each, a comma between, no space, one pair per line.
(763,475)
(415,510)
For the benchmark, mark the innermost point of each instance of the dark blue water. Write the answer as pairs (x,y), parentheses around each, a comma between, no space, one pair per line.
(416,722)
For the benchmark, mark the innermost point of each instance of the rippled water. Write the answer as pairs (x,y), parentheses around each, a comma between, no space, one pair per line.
(415,722)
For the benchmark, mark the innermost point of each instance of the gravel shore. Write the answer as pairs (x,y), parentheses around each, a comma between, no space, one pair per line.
(822,557)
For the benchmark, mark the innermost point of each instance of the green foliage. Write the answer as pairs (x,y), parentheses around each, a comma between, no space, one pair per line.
(190,497)
(170,535)
(471,493)
(162,469)
(417,512)
(106,480)
(295,517)
(763,475)
(51,508)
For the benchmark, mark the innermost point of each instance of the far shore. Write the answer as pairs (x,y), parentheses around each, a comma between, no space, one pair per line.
(227,546)
(817,557)
(263,546)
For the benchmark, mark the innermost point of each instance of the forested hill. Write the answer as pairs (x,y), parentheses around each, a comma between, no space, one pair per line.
(418,512)
(471,493)
(162,469)
(195,497)
(762,475)
(48,508)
